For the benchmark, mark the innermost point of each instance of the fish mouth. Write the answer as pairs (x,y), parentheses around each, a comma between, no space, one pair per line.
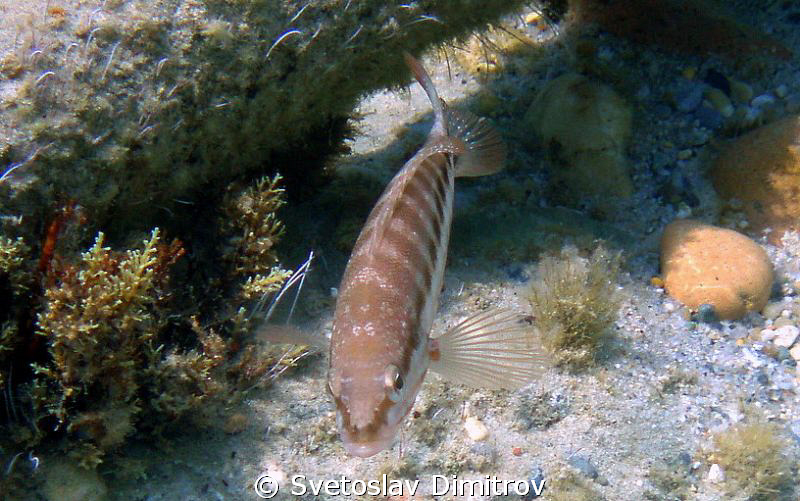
(366,449)
(364,444)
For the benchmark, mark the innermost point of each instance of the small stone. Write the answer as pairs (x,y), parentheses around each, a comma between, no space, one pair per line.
(762,101)
(536,479)
(584,466)
(716,475)
(795,352)
(781,91)
(689,97)
(786,336)
(782,322)
(767,335)
(532,18)
(719,101)
(476,430)
(704,264)
(236,423)
(741,92)
(705,314)
(709,117)
(516,451)
(772,310)
(656,282)
(685,154)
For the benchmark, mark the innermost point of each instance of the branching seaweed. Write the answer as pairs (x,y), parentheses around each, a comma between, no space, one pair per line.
(99,321)
(575,302)
(753,458)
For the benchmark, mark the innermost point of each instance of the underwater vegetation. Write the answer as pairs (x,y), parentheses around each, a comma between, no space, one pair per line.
(755,461)
(112,352)
(575,302)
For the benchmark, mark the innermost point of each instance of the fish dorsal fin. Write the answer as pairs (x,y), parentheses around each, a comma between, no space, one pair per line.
(484,149)
(490,349)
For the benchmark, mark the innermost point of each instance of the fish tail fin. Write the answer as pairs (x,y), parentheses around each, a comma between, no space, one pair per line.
(491,349)
(484,149)
(439,125)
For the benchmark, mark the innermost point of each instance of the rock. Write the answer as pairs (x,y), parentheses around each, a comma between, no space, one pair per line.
(162,95)
(704,264)
(773,311)
(720,102)
(786,336)
(740,91)
(476,430)
(767,335)
(705,314)
(795,352)
(716,474)
(709,117)
(586,126)
(761,169)
(66,481)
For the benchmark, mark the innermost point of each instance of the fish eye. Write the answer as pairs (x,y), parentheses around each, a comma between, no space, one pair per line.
(393,381)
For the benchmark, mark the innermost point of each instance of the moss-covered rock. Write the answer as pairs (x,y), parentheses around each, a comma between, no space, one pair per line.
(134,107)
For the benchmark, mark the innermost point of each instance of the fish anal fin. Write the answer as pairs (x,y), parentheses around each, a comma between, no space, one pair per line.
(484,152)
(490,349)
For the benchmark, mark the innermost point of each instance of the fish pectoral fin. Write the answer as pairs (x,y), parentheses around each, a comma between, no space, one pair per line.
(485,151)
(491,349)
(289,334)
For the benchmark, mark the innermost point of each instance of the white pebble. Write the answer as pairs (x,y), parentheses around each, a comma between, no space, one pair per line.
(767,335)
(476,430)
(716,474)
(786,336)
(669,307)
(795,352)
(762,100)
(786,313)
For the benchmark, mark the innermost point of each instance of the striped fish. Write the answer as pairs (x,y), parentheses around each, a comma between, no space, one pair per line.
(380,347)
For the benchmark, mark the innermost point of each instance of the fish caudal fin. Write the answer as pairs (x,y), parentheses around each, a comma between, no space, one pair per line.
(480,149)
(494,349)
(439,128)
(484,151)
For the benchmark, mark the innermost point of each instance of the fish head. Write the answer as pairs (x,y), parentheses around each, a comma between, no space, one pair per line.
(372,399)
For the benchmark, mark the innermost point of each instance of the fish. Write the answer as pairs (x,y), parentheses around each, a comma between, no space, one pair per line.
(381,346)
